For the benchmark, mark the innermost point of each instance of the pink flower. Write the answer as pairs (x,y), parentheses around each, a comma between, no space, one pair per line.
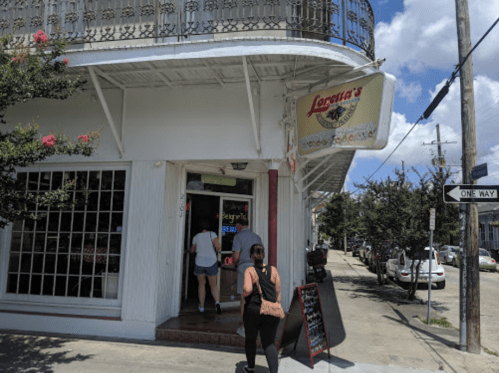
(13,59)
(49,141)
(65,60)
(84,138)
(40,37)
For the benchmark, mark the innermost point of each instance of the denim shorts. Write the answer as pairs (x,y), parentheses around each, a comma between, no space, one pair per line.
(209,271)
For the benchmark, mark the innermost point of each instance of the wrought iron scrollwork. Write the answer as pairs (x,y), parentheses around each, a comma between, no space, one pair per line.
(108,14)
(147,10)
(167,8)
(128,12)
(80,21)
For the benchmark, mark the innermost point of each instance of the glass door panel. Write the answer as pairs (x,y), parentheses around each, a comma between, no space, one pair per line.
(231,210)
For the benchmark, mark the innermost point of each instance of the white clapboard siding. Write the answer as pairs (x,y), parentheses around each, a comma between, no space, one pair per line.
(145,217)
(170,247)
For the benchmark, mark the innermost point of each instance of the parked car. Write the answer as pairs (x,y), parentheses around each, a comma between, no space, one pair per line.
(364,250)
(447,253)
(485,261)
(385,254)
(355,246)
(350,242)
(398,267)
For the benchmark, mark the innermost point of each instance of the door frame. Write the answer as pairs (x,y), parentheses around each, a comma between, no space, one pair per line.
(183,191)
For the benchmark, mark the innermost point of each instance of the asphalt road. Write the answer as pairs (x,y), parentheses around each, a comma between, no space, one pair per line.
(446,301)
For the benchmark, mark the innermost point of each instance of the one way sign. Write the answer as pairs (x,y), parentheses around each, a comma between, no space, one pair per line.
(471,193)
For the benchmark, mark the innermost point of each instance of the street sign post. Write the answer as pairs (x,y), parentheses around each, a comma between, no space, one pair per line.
(465,193)
(479,171)
(432,228)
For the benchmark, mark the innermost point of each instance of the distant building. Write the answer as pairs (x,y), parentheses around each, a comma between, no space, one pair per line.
(488,223)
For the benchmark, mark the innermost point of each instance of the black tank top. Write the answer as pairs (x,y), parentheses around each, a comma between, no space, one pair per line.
(253,300)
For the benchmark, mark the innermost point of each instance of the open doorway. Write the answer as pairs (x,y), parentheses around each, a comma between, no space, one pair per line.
(198,208)
(221,212)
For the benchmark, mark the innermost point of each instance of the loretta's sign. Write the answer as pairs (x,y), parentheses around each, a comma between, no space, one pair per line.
(353,115)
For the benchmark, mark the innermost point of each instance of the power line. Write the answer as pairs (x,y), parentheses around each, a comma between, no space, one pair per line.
(438,98)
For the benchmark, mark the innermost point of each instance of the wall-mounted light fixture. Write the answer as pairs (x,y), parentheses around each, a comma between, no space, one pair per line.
(239,165)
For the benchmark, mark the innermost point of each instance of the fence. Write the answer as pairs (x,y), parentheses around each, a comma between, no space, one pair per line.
(90,21)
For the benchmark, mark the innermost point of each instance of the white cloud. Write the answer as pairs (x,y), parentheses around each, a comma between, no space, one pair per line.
(410,91)
(424,36)
(448,115)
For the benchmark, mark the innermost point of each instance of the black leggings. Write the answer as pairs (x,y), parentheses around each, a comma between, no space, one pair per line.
(267,326)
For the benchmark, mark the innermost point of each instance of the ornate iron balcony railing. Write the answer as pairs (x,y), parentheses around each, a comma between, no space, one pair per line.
(91,21)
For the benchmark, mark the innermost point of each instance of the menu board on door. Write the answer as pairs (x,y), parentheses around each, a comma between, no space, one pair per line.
(306,310)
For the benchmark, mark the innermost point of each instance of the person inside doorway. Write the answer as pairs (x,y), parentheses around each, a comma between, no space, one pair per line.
(206,245)
(241,257)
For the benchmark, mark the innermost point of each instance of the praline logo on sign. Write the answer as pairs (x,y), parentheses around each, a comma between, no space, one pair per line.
(353,115)
(340,107)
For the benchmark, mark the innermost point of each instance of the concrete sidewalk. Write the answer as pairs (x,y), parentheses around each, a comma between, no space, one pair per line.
(381,327)
(370,329)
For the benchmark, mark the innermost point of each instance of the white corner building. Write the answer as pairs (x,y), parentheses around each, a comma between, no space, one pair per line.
(207,109)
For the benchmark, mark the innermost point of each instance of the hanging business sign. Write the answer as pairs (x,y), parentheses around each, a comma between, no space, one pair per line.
(353,115)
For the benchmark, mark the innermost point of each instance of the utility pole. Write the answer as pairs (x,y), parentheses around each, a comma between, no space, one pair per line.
(403,174)
(440,160)
(439,150)
(469,161)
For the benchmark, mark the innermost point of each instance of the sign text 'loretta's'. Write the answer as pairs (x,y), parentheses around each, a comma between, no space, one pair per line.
(353,115)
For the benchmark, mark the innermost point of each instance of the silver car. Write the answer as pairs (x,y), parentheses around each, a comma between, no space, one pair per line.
(447,253)
(398,268)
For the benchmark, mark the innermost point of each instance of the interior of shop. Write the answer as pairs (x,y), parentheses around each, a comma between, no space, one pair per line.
(221,212)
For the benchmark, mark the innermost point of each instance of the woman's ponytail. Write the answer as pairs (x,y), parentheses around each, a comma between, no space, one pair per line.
(258,252)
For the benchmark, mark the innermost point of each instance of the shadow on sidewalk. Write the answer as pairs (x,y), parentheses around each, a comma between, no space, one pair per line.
(422,331)
(404,321)
(368,287)
(22,353)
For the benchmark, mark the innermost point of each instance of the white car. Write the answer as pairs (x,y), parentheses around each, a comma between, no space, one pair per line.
(399,267)
(447,253)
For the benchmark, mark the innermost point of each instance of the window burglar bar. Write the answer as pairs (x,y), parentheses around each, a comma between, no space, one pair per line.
(83,21)
(73,252)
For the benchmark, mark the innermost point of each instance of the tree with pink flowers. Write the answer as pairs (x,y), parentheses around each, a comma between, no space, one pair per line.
(28,73)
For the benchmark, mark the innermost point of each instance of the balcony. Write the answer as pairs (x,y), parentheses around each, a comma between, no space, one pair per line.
(84,23)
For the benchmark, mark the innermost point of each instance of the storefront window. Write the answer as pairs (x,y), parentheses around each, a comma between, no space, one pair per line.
(74,252)
(219,184)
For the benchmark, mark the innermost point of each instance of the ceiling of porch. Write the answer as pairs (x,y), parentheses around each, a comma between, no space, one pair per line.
(292,71)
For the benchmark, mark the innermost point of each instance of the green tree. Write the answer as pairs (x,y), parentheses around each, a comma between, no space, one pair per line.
(29,73)
(382,204)
(394,212)
(341,218)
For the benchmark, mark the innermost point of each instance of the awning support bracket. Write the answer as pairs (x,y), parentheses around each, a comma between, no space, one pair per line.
(251,106)
(315,168)
(318,176)
(320,186)
(105,107)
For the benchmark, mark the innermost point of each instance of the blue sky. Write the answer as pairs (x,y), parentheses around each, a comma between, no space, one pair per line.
(418,38)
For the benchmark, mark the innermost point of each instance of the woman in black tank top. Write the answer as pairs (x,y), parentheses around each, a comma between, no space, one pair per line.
(254,322)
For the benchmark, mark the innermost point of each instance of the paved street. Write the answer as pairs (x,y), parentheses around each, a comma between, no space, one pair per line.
(446,301)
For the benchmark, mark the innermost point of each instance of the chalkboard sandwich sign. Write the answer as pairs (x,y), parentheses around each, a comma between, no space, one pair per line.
(306,310)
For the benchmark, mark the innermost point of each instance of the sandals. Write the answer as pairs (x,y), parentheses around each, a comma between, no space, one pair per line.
(247,370)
